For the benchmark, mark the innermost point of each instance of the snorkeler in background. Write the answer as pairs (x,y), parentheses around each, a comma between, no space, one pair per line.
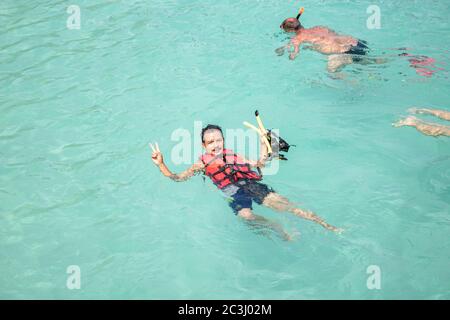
(234,176)
(430,129)
(342,50)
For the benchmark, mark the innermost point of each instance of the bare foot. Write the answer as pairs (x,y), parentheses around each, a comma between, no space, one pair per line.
(408,121)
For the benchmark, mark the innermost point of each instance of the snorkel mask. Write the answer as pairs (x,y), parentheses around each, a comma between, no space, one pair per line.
(273,142)
(278,144)
(292,24)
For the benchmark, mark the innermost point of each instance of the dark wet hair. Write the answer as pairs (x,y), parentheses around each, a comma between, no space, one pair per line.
(291,24)
(210,127)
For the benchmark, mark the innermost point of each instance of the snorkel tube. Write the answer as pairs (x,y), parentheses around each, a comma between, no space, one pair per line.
(273,142)
(263,133)
(300,12)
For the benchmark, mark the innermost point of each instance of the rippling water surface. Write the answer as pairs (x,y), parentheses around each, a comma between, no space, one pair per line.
(77,186)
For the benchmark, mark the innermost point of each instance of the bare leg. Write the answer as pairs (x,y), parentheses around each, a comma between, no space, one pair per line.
(279,203)
(338,61)
(445,115)
(430,129)
(365,60)
(262,224)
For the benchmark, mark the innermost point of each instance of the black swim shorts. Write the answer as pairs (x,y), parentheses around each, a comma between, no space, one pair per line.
(248,192)
(361,48)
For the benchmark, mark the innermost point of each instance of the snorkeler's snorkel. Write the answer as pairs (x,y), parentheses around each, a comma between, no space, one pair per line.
(273,142)
(261,131)
(292,24)
(300,12)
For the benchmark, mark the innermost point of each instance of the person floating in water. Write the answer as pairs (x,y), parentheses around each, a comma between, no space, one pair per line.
(430,129)
(342,50)
(234,176)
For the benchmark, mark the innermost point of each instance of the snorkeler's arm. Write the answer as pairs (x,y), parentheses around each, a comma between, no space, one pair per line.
(280,50)
(294,54)
(263,156)
(158,160)
(195,169)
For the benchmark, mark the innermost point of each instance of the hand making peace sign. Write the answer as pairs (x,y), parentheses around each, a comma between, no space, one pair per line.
(156,154)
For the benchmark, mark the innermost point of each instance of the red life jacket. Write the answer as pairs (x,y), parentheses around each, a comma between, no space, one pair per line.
(227,168)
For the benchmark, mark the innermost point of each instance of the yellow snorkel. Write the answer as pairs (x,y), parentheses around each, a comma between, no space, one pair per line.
(273,142)
(261,131)
(300,12)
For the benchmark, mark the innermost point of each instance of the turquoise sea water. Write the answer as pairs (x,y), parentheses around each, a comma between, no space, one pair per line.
(78,187)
